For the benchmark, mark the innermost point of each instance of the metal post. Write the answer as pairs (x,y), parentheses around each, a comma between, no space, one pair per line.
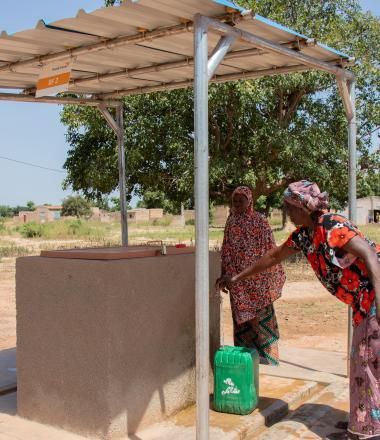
(121,157)
(219,53)
(352,156)
(201,226)
(183,221)
(351,193)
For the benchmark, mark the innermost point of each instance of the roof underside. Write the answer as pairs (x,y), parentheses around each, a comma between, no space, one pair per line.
(147,45)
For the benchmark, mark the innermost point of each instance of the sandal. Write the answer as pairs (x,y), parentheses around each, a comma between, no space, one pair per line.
(341,425)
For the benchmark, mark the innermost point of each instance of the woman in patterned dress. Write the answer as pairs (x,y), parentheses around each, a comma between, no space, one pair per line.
(348,265)
(247,236)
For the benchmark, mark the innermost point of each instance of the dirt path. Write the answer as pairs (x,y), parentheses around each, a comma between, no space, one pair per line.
(308,316)
(7,304)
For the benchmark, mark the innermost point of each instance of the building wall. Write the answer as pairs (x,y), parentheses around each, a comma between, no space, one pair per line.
(102,348)
(220,215)
(189,214)
(41,214)
(156,213)
(367,208)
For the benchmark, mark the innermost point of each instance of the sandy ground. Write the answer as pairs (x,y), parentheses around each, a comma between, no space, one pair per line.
(7,304)
(309,317)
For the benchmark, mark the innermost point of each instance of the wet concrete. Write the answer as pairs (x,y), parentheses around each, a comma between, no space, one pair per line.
(277,395)
(313,419)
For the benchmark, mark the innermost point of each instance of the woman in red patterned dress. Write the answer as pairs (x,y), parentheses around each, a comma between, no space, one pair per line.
(348,265)
(247,236)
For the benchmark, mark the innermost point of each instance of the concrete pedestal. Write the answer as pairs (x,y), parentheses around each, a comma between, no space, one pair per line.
(107,347)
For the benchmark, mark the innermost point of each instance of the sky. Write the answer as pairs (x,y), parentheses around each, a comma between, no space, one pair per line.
(32,132)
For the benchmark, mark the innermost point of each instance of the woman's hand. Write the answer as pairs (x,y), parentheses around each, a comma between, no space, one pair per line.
(223,283)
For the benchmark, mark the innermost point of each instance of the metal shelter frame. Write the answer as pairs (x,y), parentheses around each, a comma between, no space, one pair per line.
(205,67)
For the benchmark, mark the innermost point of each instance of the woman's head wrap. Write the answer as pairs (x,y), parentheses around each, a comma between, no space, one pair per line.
(245,191)
(306,195)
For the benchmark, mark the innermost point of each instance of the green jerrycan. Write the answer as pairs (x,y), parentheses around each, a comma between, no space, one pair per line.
(236,380)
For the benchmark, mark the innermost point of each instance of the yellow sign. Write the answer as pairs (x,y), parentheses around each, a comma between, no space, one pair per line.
(54,78)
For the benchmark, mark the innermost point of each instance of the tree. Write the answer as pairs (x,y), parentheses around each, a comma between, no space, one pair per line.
(112,2)
(115,201)
(102,203)
(158,199)
(76,206)
(6,211)
(31,206)
(263,133)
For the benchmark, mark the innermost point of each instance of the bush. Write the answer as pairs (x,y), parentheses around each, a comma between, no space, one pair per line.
(31,230)
(14,251)
(164,221)
(74,226)
(190,222)
(76,206)
(3,228)
(66,229)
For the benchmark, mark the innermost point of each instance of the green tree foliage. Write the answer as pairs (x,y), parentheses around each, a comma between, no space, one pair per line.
(158,199)
(112,2)
(263,133)
(9,211)
(6,211)
(31,206)
(76,206)
(102,203)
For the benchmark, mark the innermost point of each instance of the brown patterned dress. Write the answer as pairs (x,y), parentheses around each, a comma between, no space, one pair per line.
(247,237)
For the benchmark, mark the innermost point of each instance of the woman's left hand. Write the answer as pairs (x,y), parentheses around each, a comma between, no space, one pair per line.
(223,283)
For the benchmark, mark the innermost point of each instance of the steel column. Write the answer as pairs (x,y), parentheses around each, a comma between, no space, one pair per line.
(123,194)
(352,155)
(201,225)
(118,128)
(351,191)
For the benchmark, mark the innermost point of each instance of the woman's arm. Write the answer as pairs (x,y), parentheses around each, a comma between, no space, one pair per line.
(271,258)
(360,248)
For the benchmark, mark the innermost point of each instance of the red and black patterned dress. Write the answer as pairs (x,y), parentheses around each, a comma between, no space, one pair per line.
(343,275)
(346,277)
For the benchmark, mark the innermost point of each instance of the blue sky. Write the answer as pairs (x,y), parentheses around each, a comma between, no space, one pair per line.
(32,132)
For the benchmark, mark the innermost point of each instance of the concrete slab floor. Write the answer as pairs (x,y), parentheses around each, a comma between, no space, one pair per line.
(309,364)
(314,419)
(277,396)
(320,406)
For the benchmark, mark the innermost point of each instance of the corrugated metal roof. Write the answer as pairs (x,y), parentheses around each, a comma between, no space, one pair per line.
(116,49)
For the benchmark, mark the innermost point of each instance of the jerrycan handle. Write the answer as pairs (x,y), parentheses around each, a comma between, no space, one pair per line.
(219,295)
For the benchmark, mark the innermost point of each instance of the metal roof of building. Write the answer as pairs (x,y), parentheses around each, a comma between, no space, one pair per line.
(147,45)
